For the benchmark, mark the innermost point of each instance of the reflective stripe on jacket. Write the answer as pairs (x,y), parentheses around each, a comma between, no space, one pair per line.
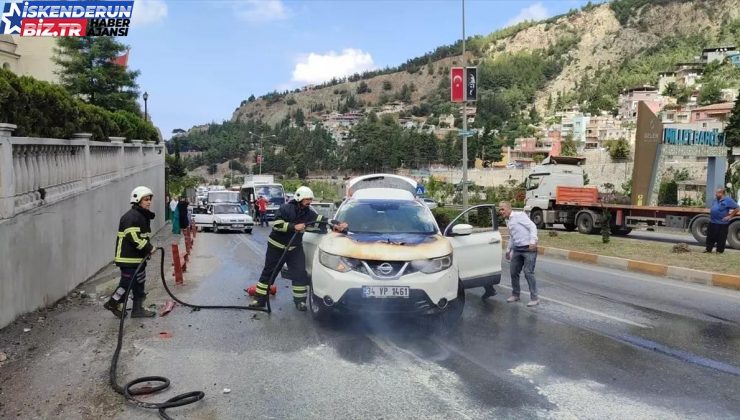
(132,242)
(289,215)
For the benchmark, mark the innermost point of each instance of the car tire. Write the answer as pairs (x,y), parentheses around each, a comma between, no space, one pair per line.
(570,227)
(448,320)
(733,234)
(319,311)
(249,231)
(699,229)
(215,228)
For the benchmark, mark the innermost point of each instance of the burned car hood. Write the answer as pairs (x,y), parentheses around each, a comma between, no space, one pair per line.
(386,247)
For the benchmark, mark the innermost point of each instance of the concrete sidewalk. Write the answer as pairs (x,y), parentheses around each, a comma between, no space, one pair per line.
(707,278)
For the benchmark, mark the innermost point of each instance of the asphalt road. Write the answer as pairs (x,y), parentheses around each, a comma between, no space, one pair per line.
(602,344)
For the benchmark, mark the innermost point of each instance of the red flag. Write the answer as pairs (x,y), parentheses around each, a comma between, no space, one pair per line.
(121,60)
(457,84)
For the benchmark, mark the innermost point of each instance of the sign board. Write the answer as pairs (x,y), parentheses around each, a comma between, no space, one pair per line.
(471,84)
(647,138)
(457,84)
(259,158)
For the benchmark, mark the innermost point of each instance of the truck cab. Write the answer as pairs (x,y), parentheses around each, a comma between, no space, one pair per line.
(543,180)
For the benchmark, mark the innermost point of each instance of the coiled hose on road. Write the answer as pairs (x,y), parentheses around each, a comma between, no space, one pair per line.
(187,398)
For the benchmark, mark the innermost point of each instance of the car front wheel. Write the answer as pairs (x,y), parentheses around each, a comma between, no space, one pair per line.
(449,319)
(319,311)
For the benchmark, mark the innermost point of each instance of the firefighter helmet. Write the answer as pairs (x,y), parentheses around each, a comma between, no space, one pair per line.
(140,192)
(302,193)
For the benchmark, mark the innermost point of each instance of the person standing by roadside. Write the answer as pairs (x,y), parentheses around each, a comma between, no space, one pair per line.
(175,216)
(262,206)
(182,210)
(521,251)
(723,209)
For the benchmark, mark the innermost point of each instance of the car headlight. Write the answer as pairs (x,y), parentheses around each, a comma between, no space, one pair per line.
(433,265)
(337,263)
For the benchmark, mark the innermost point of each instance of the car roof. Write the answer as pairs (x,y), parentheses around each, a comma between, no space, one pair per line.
(382,194)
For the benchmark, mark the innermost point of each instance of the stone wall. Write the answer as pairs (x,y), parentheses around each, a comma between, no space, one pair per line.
(60,203)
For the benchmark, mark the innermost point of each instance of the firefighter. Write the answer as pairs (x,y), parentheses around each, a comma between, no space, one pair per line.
(132,247)
(292,217)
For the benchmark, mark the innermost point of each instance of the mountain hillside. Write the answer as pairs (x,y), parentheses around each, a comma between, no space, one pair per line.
(604,48)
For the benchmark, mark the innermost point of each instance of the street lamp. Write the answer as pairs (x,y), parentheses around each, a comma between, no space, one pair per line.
(261,155)
(146,114)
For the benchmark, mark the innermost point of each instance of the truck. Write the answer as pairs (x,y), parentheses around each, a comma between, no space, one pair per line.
(263,185)
(555,194)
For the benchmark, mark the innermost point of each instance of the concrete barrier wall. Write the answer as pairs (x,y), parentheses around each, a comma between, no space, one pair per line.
(48,250)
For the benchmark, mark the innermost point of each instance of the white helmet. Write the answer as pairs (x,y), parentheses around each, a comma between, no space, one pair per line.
(140,192)
(302,193)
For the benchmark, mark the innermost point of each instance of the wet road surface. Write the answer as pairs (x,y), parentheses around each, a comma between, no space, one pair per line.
(602,344)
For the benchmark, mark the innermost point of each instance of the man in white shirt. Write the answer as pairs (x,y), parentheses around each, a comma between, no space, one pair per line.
(521,251)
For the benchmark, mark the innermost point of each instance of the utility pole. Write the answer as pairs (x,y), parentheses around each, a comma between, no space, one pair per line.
(464,122)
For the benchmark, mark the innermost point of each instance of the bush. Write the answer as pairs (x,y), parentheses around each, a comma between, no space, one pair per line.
(42,109)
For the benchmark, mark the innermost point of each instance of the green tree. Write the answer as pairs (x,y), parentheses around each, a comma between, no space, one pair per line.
(177,169)
(300,118)
(363,88)
(568,147)
(87,71)
(671,89)
(387,85)
(618,149)
(710,93)
(251,98)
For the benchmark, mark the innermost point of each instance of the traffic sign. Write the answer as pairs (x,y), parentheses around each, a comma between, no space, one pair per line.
(469,133)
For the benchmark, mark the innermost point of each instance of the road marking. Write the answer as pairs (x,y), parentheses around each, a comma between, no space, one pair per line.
(251,245)
(591,311)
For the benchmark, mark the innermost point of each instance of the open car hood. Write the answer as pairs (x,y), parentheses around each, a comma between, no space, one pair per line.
(386,247)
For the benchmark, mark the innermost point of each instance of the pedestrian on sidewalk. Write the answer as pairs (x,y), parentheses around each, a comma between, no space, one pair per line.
(723,209)
(294,217)
(175,216)
(182,210)
(521,251)
(133,245)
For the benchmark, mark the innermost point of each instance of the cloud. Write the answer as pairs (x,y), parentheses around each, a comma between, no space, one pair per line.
(261,11)
(317,68)
(534,12)
(149,12)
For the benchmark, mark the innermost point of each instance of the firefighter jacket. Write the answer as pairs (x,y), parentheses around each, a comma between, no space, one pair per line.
(289,215)
(132,244)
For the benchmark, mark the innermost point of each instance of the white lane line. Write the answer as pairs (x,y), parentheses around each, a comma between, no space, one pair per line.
(590,311)
(725,293)
(251,245)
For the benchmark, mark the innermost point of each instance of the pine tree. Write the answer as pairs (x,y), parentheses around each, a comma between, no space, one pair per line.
(87,70)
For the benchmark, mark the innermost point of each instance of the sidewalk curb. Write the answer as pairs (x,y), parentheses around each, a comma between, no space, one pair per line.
(727,281)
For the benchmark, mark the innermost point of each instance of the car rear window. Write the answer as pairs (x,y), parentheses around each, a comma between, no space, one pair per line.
(378,216)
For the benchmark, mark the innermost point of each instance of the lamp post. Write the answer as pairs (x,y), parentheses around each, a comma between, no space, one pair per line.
(146,114)
(261,155)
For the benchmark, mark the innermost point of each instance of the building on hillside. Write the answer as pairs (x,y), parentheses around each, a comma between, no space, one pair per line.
(734,58)
(709,55)
(714,112)
(676,114)
(29,56)
(630,97)
(664,79)
(729,94)
(526,148)
(602,129)
(687,74)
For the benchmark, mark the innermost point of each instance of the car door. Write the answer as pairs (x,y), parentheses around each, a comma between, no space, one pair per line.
(477,254)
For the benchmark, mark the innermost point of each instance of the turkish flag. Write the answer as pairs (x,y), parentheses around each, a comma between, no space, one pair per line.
(457,84)
(121,60)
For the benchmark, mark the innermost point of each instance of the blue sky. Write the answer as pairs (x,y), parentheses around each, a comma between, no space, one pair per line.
(200,59)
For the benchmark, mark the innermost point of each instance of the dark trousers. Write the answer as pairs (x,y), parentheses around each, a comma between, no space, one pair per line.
(137,289)
(296,261)
(263,218)
(523,260)
(717,235)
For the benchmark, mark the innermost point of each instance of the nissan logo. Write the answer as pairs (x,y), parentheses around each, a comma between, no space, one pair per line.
(385,268)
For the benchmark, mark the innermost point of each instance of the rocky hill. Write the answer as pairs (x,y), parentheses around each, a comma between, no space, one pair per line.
(598,40)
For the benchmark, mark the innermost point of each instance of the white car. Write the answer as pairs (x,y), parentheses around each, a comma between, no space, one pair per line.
(429,202)
(395,258)
(225,216)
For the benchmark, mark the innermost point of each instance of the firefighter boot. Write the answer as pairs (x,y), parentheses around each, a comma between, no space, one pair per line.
(300,305)
(116,307)
(258,303)
(138,311)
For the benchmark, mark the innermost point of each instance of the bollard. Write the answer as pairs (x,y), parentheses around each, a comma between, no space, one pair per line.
(179,264)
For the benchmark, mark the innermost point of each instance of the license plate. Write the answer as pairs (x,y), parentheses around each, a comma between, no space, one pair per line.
(237,226)
(385,291)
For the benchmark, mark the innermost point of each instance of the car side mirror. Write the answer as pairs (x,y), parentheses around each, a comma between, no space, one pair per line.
(210,211)
(462,230)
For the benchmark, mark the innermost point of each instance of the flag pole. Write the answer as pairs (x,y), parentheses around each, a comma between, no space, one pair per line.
(464,120)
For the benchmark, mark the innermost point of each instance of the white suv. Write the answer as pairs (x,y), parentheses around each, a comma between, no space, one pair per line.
(396,259)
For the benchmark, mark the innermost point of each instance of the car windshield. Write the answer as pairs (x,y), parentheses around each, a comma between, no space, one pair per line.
(380,216)
(273,193)
(228,210)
